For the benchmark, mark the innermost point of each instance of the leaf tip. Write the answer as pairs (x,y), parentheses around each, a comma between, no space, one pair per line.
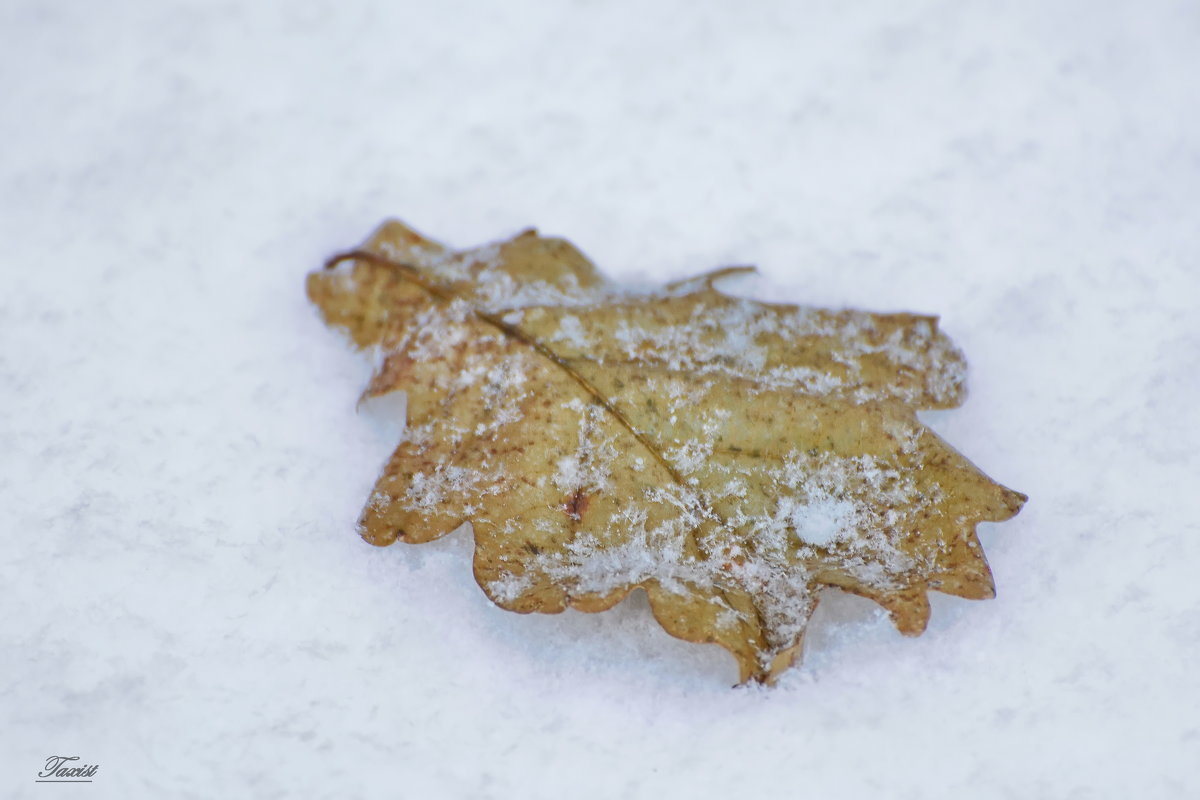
(380,537)
(909,610)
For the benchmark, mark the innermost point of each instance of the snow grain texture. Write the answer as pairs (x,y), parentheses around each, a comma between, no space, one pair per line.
(182,603)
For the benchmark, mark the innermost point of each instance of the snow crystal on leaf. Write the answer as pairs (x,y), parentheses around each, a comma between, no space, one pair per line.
(823,521)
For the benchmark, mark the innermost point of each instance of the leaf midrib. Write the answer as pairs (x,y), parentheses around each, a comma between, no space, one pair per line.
(414,275)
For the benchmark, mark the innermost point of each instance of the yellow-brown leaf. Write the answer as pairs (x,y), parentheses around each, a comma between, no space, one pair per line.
(732,458)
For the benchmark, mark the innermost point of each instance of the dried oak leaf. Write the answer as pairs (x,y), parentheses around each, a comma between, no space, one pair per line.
(732,458)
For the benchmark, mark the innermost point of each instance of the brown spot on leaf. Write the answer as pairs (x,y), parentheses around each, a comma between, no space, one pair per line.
(576,504)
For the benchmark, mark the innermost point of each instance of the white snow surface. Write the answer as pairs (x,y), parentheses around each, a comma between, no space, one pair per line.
(185,602)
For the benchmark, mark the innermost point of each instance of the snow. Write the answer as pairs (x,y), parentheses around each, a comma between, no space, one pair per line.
(186,603)
(823,521)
